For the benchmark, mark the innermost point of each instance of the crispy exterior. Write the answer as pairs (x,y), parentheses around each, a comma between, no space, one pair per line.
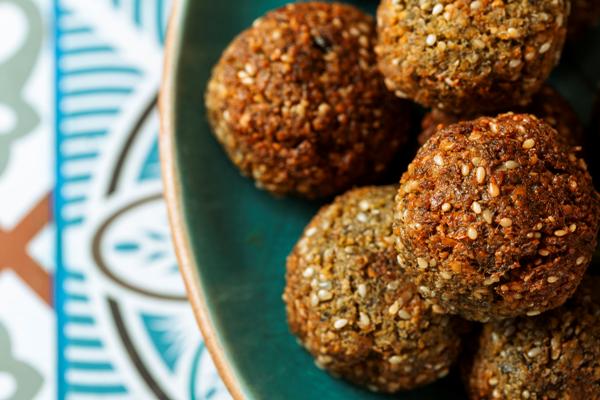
(494,219)
(468,56)
(552,356)
(547,104)
(354,309)
(299,104)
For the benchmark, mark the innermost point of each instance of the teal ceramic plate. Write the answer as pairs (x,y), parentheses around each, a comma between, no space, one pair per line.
(232,239)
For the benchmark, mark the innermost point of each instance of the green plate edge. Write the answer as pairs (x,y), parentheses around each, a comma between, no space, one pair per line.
(232,239)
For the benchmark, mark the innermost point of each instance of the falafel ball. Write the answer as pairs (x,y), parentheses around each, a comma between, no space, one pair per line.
(353,308)
(552,356)
(299,104)
(467,57)
(547,104)
(495,219)
(585,14)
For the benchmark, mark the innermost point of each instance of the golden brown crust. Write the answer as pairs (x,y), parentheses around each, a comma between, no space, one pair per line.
(552,356)
(547,104)
(299,104)
(352,307)
(464,56)
(494,219)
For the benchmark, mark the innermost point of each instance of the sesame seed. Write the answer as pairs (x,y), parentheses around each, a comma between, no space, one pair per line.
(373,388)
(494,190)
(478,43)
(514,63)
(438,160)
(362,217)
(476,161)
(404,314)
(476,207)
(425,291)
(580,260)
(394,308)
(363,320)
(511,164)
(437,309)
(364,205)
(493,381)
(422,263)
(308,272)
(446,275)
(324,359)
(525,394)
(446,207)
(246,80)
(324,295)
(392,285)
(573,227)
(363,41)
(340,323)
(323,108)
(324,284)
(528,143)
(552,279)
(545,47)
(410,186)
(465,170)
(472,233)
(536,351)
(560,233)
(475,5)
(533,313)
(395,360)
(311,231)
(530,55)
(494,127)
(362,290)
(506,222)
(430,40)
(400,261)
(544,253)
(512,32)
(437,9)
(480,175)
(314,300)
(250,69)
(487,216)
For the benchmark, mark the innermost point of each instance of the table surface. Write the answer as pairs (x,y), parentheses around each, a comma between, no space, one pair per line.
(91,302)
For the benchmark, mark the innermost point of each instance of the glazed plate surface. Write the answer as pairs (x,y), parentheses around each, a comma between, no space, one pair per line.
(232,239)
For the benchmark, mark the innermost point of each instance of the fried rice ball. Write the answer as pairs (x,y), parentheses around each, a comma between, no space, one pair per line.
(552,356)
(467,57)
(495,219)
(354,309)
(299,105)
(547,104)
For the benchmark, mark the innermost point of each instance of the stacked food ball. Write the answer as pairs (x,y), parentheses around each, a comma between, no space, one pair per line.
(299,104)
(494,221)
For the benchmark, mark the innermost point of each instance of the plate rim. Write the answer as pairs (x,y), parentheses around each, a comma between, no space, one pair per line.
(173,195)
